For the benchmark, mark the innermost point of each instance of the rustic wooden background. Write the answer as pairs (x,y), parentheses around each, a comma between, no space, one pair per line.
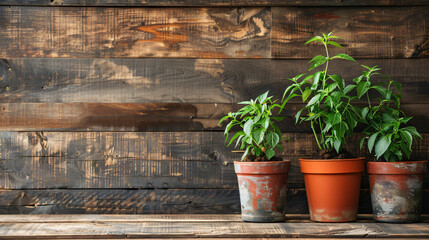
(112,106)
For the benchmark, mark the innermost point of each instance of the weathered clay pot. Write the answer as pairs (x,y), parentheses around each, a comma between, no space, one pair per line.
(396,190)
(263,190)
(333,187)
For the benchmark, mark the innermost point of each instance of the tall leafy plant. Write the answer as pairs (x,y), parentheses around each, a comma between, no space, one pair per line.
(258,135)
(389,136)
(328,99)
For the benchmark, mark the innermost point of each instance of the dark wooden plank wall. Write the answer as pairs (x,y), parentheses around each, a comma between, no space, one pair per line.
(112,106)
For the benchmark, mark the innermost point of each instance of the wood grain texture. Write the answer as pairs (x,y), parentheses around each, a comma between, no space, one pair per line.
(146,201)
(119,201)
(206,227)
(218,3)
(38,160)
(135,32)
(368,32)
(115,160)
(180,80)
(133,201)
(149,201)
(149,117)
(112,116)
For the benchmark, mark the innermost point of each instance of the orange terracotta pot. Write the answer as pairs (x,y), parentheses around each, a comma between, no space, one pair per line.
(263,188)
(396,190)
(333,187)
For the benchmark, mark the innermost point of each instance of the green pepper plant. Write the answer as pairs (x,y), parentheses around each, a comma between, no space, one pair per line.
(389,137)
(259,136)
(328,99)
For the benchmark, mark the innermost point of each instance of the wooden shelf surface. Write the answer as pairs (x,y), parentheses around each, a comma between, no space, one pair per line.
(196,226)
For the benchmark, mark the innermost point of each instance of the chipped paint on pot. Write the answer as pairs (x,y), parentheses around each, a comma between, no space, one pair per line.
(263,188)
(396,190)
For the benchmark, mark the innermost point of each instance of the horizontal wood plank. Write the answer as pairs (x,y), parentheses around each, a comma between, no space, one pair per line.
(368,32)
(206,229)
(148,117)
(218,3)
(134,201)
(115,160)
(38,160)
(149,201)
(180,80)
(135,32)
(119,201)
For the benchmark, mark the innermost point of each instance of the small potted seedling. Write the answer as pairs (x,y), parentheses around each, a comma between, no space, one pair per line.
(395,183)
(332,177)
(261,175)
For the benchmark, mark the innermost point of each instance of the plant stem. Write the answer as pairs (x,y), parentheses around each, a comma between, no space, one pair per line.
(327,63)
(315,135)
(322,134)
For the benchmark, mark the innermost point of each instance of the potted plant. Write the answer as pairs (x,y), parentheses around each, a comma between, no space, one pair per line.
(262,177)
(395,184)
(333,177)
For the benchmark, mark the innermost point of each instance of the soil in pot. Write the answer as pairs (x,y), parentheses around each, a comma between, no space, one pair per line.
(396,190)
(263,188)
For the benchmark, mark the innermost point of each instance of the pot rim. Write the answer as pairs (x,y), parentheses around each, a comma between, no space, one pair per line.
(240,162)
(331,160)
(392,168)
(333,166)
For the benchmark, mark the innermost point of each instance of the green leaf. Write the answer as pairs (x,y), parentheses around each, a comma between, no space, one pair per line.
(371,141)
(382,145)
(258,135)
(227,128)
(297,116)
(245,102)
(362,141)
(248,127)
(306,94)
(263,97)
(405,149)
(270,153)
(327,127)
(317,61)
(337,145)
(334,118)
(408,138)
(345,57)
(339,80)
(314,100)
(287,90)
(257,151)
(245,153)
(341,129)
(240,133)
(334,44)
(245,110)
(266,123)
(387,118)
(332,86)
(386,126)
(348,88)
(362,88)
(272,139)
(316,78)
(364,112)
(412,130)
(380,89)
(316,38)
(223,119)
(239,140)
(397,85)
